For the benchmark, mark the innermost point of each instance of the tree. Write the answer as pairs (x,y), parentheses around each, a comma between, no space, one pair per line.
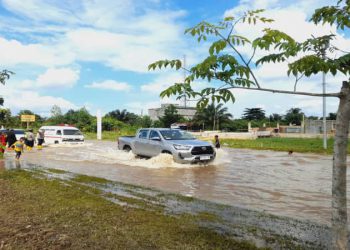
(123,115)
(227,64)
(170,116)
(275,117)
(6,119)
(312,117)
(332,116)
(213,116)
(56,111)
(145,121)
(253,114)
(80,118)
(294,116)
(4,76)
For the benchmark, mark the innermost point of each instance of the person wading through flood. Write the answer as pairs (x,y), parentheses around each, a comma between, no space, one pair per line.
(11,138)
(29,141)
(40,137)
(2,144)
(18,147)
(217,142)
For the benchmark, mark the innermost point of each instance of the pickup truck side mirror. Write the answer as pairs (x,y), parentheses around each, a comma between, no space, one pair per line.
(155,138)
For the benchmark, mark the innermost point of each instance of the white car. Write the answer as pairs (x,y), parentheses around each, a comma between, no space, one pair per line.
(62,134)
(18,132)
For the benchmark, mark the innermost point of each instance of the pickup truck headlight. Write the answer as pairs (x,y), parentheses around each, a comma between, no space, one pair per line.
(181,147)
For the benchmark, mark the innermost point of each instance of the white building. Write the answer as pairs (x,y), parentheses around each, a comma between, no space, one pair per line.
(187,112)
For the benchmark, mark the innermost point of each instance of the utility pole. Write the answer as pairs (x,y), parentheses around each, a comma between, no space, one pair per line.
(184,67)
(324,101)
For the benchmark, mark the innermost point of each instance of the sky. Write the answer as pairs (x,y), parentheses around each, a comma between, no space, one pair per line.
(95,53)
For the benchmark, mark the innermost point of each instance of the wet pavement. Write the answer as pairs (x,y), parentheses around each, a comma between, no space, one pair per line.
(297,186)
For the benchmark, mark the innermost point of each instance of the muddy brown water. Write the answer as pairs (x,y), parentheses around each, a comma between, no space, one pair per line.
(297,186)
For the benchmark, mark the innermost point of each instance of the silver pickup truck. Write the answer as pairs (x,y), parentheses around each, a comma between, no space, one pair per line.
(182,145)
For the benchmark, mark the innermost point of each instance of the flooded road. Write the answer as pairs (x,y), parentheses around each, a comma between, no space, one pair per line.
(298,186)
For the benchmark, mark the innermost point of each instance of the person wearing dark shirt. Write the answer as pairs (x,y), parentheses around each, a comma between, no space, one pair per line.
(217,142)
(11,138)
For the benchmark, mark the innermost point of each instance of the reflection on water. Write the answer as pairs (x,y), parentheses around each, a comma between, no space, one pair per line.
(297,185)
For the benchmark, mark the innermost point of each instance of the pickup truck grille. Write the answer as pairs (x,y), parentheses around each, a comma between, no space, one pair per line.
(202,150)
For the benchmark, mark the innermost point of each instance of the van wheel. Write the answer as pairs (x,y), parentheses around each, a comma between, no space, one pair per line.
(56,142)
(166,152)
(127,148)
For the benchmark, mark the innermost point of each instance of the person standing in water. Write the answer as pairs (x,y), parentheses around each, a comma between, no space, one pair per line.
(29,139)
(2,144)
(40,137)
(217,142)
(18,147)
(11,138)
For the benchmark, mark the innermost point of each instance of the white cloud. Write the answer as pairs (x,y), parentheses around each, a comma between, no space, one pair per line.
(18,100)
(162,82)
(110,85)
(58,77)
(125,35)
(52,78)
(14,52)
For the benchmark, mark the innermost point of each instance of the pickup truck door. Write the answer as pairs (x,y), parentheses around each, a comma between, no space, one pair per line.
(140,142)
(154,147)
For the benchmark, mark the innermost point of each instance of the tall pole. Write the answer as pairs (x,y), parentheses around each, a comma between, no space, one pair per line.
(99,125)
(324,102)
(324,112)
(184,66)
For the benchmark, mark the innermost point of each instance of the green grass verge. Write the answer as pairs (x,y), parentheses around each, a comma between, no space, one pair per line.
(303,145)
(109,135)
(37,213)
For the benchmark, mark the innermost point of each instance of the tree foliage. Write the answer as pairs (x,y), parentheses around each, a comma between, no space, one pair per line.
(170,116)
(254,114)
(294,116)
(213,116)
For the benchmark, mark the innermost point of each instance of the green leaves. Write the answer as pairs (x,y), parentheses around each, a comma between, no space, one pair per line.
(217,46)
(226,64)
(333,15)
(251,17)
(177,64)
(5,75)
(274,38)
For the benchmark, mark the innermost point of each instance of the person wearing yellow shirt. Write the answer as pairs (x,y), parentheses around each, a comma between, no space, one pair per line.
(18,147)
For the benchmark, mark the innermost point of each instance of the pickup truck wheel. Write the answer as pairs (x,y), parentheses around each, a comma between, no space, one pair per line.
(127,148)
(166,152)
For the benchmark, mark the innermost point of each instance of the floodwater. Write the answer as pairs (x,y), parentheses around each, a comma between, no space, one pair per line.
(297,185)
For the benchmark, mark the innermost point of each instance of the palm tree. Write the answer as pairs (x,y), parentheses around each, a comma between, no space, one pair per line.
(120,115)
(213,115)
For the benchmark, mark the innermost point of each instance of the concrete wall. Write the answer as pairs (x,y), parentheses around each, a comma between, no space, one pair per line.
(316,126)
(226,135)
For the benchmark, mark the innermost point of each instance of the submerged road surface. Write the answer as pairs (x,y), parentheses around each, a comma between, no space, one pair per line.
(297,186)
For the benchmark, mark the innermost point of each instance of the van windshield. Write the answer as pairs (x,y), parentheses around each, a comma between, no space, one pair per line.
(71,132)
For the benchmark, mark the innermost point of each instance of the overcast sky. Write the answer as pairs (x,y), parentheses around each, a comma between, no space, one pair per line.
(95,53)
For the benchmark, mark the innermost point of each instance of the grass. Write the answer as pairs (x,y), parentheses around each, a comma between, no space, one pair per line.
(303,145)
(109,135)
(37,213)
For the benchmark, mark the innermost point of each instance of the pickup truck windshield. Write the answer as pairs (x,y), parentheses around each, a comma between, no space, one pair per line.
(71,132)
(176,135)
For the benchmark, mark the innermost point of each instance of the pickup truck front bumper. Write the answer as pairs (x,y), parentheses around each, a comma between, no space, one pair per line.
(188,157)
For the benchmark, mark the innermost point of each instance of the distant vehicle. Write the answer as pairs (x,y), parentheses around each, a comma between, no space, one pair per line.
(18,132)
(62,134)
(182,126)
(180,144)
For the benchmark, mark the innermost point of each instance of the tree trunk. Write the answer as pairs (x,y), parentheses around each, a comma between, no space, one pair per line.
(339,207)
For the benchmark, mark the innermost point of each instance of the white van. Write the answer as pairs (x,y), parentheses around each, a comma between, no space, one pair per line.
(62,134)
